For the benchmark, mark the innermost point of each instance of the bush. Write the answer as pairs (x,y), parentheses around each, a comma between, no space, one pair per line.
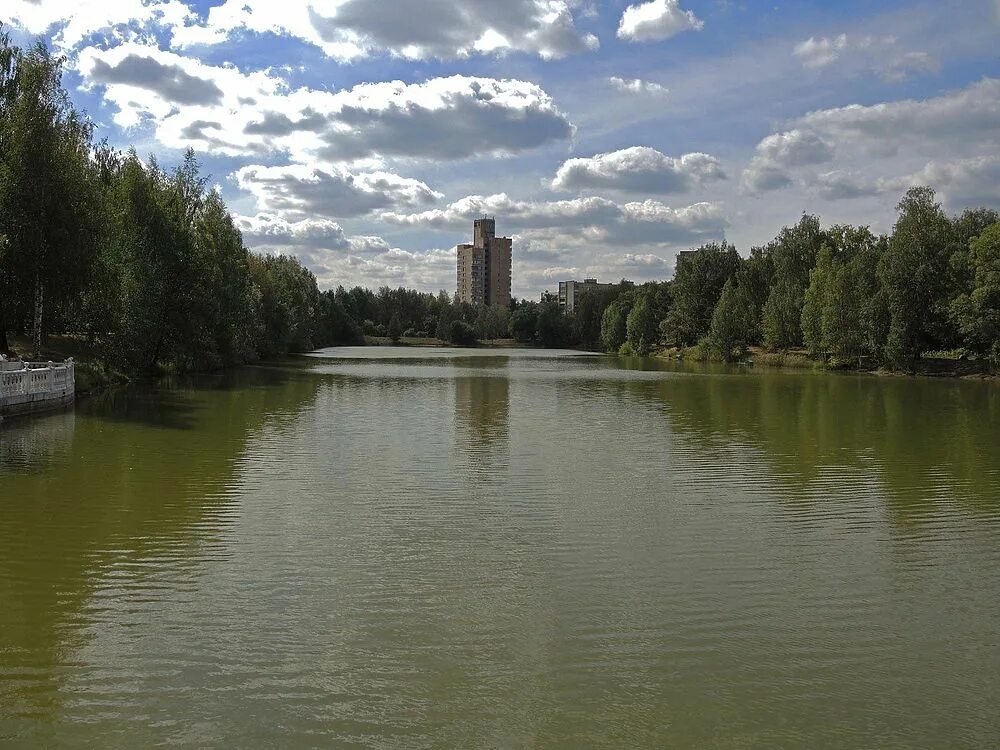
(642,329)
(461,333)
(614,326)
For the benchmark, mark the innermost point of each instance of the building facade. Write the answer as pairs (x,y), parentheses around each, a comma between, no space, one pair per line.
(570,292)
(484,267)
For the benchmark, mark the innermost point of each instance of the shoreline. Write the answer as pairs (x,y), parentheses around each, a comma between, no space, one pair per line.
(931,367)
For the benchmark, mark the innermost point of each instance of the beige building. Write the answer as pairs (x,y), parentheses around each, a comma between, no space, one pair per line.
(484,266)
(570,292)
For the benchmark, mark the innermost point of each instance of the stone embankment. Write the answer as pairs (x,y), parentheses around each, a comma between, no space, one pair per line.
(28,387)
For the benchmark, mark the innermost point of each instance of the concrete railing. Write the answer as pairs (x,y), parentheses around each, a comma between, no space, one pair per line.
(29,386)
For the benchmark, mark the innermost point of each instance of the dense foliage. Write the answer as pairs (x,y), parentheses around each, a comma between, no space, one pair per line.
(847,296)
(146,263)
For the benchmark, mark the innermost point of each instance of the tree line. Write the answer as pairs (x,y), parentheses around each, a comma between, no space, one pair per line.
(144,263)
(844,294)
(149,267)
(848,296)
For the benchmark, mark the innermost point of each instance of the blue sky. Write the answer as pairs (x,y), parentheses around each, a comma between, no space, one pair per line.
(364,135)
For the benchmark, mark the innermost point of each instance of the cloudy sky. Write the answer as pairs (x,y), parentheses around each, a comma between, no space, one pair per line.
(364,136)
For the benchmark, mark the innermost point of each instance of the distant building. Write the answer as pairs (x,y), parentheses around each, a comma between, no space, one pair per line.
(484,266)
(570,292)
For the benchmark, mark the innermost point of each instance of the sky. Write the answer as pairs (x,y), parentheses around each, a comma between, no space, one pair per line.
(364,136)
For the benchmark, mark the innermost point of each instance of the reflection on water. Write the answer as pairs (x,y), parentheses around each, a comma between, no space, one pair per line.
(33,443)
(430,548)
(109,504)
(924,441)
(482,416)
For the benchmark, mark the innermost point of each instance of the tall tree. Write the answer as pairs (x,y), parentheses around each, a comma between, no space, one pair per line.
(46,190)
(697,286)
(977,313)
(793,253)
(642,326)
(915,275)
(614,324)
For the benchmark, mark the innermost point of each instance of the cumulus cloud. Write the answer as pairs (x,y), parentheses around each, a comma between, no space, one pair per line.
(587,219)
(338,258)
(638,86)
(843,184)
(69,24)
(647,260)
(300,191)
(415,29)
(656,20)
(445,118)
(971,113)
(776,154)
(879,54)
(169,81)
(957,132)
(965,182)
(638,169)
(441,118)
(265,231)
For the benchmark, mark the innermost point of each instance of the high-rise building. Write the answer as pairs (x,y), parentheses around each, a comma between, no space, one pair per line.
(484,266)
(570,292)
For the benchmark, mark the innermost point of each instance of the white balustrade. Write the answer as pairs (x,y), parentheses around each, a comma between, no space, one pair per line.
(35,381)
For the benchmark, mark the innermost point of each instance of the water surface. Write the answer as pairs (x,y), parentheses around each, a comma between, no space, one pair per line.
(500,548)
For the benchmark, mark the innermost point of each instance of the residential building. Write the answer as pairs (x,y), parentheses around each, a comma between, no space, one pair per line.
(484,267)
(571,292)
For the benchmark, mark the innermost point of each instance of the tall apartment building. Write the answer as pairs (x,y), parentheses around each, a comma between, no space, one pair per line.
(484,266)
(570,292)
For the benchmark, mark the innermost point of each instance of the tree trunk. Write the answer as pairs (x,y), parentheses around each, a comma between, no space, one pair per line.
(4,344)
(39,309)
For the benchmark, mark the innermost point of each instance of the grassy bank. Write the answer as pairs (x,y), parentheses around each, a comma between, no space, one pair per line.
(942,365)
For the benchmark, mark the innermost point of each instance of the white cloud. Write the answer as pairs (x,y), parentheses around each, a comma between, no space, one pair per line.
(268,231)
(956,117)
(879,54)
(69,24)
(656,20)
(638,86)
(230,113)
(638,169)
(964,183)
(415,29)
(956,134)
(592,220)
(298,191)
(776,154)
(647,260)
(338,258)
(842,185)
(818,53)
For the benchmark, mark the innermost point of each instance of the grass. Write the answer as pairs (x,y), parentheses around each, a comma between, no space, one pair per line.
(932,364)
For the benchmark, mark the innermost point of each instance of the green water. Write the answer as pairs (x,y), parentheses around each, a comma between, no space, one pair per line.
(419,548)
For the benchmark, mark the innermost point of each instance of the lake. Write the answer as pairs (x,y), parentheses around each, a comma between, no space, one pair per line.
(392,547)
